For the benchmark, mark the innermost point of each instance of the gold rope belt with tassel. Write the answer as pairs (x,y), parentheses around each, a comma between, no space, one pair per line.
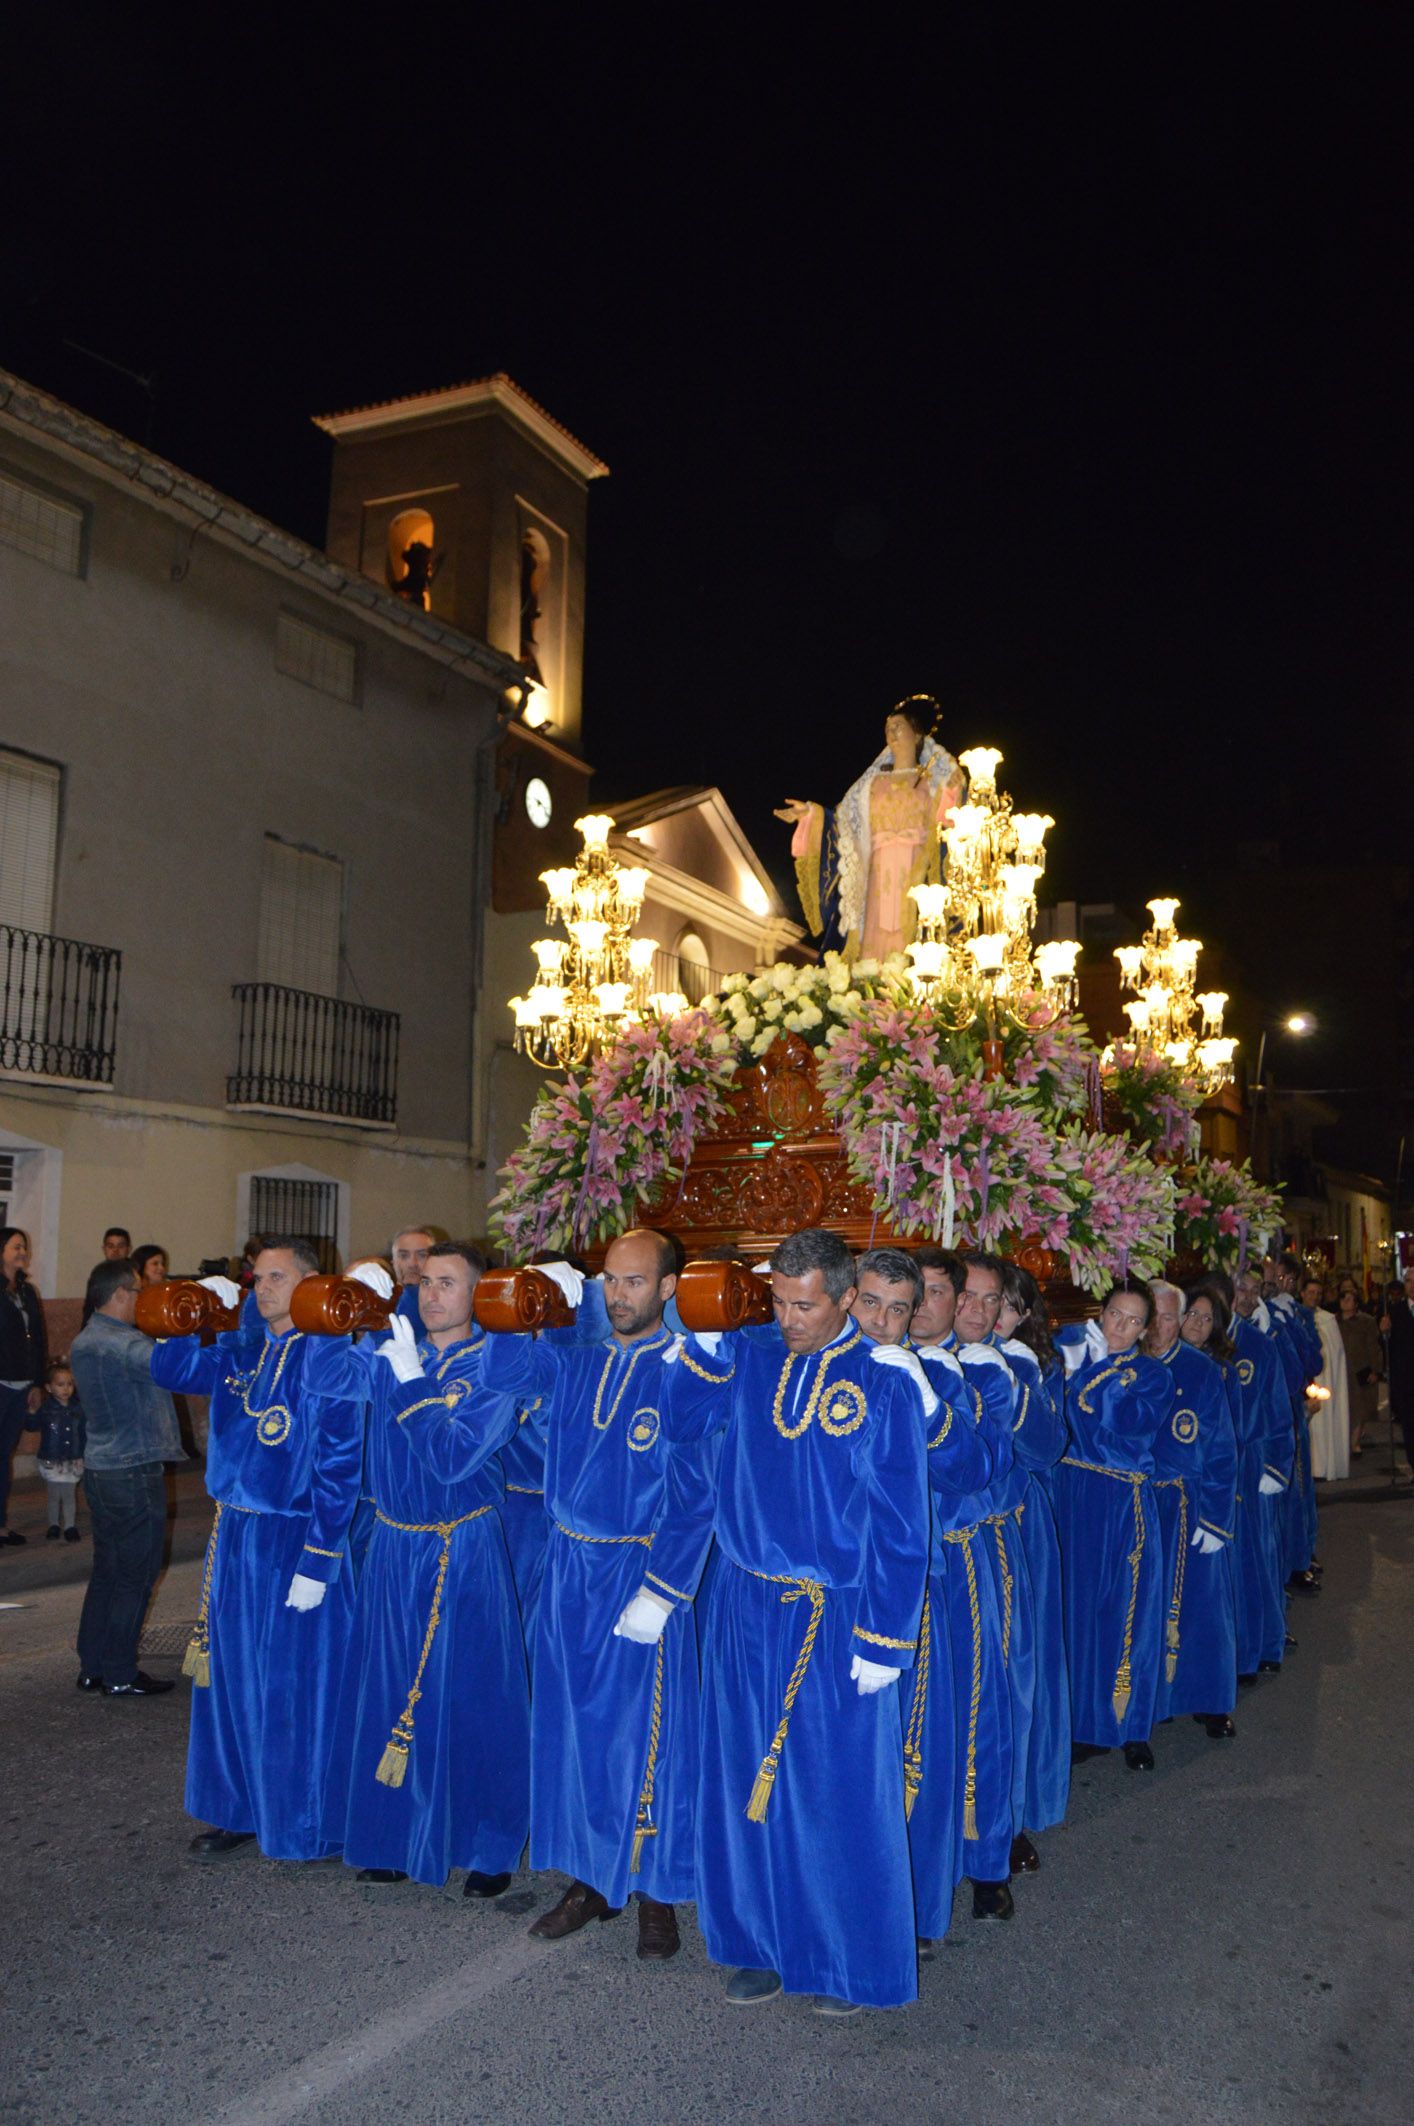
(196,1661)
(645,1827)
(962,1537)
(575,1537)
(997,1522)
(913,1740)
(393,1764)
(1136,1480)
(814,1593)
(1175,1483)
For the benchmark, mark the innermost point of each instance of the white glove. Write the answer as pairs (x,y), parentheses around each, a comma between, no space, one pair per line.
(228,1293)
(910,1363)
(1270,1486)
(375,1277)
(570,1281)
(674,1351)
(1205,1542)
(709,1339)
(760,1269)
(871,1676)
(643,1619)
(401,1350)
(304,1594)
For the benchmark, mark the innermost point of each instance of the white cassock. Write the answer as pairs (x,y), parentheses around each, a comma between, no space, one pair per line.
(1330,1421)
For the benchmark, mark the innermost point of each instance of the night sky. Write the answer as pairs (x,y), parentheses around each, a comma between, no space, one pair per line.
(1061,373)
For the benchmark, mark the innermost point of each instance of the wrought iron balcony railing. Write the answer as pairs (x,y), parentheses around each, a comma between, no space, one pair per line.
(312,1055)
(58,1006)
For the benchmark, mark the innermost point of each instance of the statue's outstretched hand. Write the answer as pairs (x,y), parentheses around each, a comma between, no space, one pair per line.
(794,810)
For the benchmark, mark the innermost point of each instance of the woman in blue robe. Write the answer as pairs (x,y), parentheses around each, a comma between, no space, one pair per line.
(1040,1437)
(431,1766)
(1258,1609)
(1195,1482)
(1116,1401)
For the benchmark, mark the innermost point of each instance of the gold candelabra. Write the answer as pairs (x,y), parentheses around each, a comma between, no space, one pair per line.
(973,952)
(592,982)
(1167,1015)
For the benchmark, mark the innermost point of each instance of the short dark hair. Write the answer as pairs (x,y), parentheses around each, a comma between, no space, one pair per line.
(979,1259)
(931,1258)
(58,1365)
(472,1256)
(106,1278)
(1292,1264)
(895,1266)
(117,1232)
(815,1249)
(1130,1288)
(306,1254)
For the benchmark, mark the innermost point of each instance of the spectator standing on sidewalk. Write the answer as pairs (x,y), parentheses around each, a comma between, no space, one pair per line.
(1397,1327)
(131,1431)
(24,1359)
(1364,1363)
(60,1422)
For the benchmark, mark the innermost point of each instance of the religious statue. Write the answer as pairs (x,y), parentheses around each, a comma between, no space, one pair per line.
(421,565)
(855,862)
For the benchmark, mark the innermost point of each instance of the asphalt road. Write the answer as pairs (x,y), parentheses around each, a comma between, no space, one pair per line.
(1226,1939)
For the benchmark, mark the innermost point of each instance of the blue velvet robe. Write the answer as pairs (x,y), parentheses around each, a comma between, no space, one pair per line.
(361,1526)
(463,1746)
(523,1517)
(1111,1544)
(1266,1447)
(822,1524)
(1195,1482)
(1039,1435)
(614,1724)
(1299,1345)
(282,1462)
(950,1756)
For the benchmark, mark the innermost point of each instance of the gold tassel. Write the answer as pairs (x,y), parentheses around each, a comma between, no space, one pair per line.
(912,1781)
(1172,1636)
(1121,1696)
(1170,1667)
(392,1765)
(969,1818)
(196,1663)
(761,1791)
(644,1830)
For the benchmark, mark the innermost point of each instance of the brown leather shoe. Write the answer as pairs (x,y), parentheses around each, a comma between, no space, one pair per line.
(575,1909)
(658,1936)
(1024,1858)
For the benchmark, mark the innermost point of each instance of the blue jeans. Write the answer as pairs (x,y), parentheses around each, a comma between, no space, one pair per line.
(14,1416)
(127,1511)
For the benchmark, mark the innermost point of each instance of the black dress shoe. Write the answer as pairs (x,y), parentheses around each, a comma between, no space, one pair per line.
(1139,1757)
(927,1950)
(1289,1642)
(992,1900)
(13,1538)
(142,1686)
(215,1845)
(88,1682)
(658,1937)
(1248,1681)
(1269,1668)
(1217,1725)
(71,1535)
(51,1534)
(1082,1752)
(479,1885)
(1303,1583)
(575,1909)
(1024,1858)
(380,1875)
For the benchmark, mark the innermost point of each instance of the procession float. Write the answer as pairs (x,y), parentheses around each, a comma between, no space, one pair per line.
(927,1077)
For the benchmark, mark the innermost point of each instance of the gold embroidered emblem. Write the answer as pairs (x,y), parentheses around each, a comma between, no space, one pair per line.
(1185,1427)
(1245,1370)
(843,1410)
(273,1427)
(643,1430)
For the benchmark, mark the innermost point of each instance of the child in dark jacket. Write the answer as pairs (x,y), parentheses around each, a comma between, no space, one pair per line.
(61,1439)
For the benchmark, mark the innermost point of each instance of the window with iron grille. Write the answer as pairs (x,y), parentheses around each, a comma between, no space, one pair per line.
(305,1210)
(29,834)
(316,658)
(41,525)
(301,918)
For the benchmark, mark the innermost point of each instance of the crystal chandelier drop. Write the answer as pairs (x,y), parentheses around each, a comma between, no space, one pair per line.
(973,950)
(1167,1017)
(592,982)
